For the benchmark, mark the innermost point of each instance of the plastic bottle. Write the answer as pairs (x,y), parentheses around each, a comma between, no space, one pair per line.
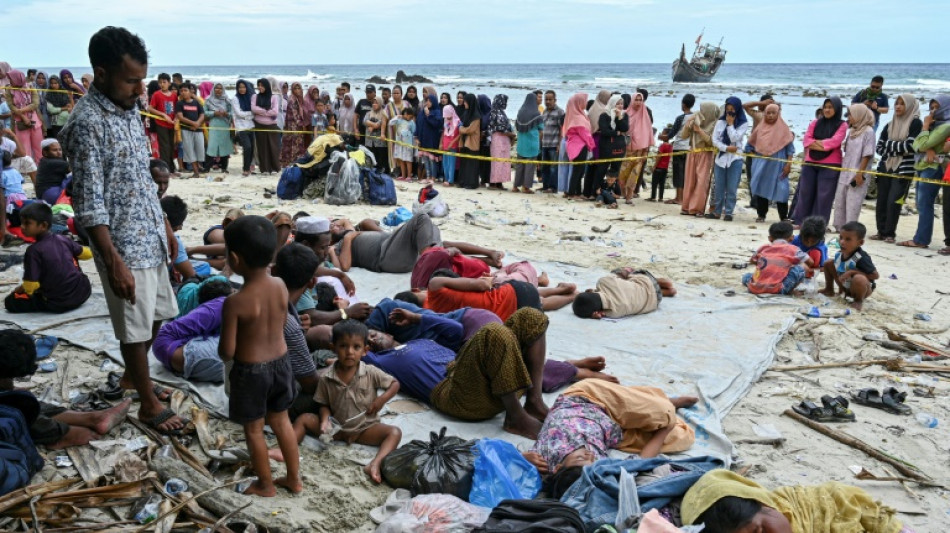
(927,420)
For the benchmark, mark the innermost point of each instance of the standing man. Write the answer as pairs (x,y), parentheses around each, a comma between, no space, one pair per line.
(553,119)
(364,106)
(115,201)
(874,98)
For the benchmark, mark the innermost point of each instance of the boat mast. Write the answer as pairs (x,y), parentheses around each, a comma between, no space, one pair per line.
(698,41)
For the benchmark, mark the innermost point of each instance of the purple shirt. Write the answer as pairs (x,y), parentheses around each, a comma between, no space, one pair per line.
(204,321)
(51,261)
(418,365)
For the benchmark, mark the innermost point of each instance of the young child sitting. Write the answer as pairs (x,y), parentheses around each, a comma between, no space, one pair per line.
(608,192)
(778,265)
(252,335)
(52,279)
(627,291)
(852,269)
(811,240)
(56,427)
(12,180)
(348,393)
(176,211)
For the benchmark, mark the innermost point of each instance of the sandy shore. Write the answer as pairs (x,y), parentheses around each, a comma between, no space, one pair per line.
(688,250)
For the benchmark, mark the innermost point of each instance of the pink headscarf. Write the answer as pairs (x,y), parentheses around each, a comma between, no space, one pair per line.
(310,99)
(20,98)
(205,89)
(575,113)
(4,71)
(451,120)
(641,127)
(768,139)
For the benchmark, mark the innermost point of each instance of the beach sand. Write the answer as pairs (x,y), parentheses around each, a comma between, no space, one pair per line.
(337,496)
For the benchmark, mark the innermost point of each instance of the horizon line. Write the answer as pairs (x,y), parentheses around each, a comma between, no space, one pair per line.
(903,63)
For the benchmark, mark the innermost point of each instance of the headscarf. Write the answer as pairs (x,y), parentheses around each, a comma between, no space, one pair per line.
(74,85)
(830,506)
(346,117)
(611,106)
(768,139)
(310,99)
(378,115)
(430,90)
(644,93)
(598,109)
(575,113)
(484,107)
(56,98)
(205,89)
(528,116)
(4,71)
(640,127)
(498,121)
(18,81)
(298,104)
(740,117)
(942,114)
(86,77)
(264,98)
(450,120)
(244,100)
(45,143)
(449,99)
(414,101)
(825,128)
(863,120)
(45,85)
(707,116)
(472,113)
(899,128)
(218,103)
(325,96)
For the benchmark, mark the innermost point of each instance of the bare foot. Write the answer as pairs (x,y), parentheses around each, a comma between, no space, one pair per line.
(827,292)
(595,363)
(276,454)
(105,420)
(857,306)
(372,470)
(76,436)
(566,288)
(524,425)
(583,373)
(292,484)
(544,280)
(536,409)
(683,402)
(258,489)
(494,258)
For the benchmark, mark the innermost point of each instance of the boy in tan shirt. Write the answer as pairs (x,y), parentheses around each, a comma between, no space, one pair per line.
(625,292)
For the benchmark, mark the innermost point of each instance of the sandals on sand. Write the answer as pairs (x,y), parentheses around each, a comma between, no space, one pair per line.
(832,410)
(944,251)
(165,416)
(911,244)
(891,400)
(112,391)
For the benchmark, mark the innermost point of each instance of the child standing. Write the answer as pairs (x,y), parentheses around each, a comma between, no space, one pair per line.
(252,335)
(348,392)
(811,240)
(162,104)
(852,269)
(319,119)
(662,167)
(450,142)
(404,129)
(12,181)
(778,265)
(191,115)
(52,279)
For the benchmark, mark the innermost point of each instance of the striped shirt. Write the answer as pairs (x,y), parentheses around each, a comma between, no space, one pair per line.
(551,134)
(887,148)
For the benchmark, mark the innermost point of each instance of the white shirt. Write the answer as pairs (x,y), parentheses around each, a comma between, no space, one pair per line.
(736,136)
(243,120)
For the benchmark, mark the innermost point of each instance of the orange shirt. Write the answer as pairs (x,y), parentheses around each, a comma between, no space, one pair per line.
(501,300)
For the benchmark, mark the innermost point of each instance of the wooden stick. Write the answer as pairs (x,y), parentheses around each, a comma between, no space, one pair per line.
(913,494)
(857,444)
(63,322)
(217,525)
(184,503)
(830,365)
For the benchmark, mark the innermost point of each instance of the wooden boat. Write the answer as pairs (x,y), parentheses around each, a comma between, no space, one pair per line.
(704,64)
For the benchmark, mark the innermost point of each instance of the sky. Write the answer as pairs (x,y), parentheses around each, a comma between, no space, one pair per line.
(318,32)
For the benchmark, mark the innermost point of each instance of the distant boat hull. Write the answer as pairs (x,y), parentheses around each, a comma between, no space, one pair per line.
(685,71)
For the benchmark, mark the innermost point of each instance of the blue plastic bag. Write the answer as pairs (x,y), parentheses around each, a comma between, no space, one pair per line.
(502,473)
(397,217)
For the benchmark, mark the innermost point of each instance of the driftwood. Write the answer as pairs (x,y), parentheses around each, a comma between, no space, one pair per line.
(858,444)
(894,365)
(899,337)
(221,501)
(85,460)
(64,322)
(865,475)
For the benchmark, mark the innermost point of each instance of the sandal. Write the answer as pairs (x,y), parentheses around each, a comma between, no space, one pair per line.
(810,411)
(944,251)
(671,202)
(876,237)
(759,220)
(894,401)
(711,216)
(686,213)
(838,407)
(165,416)
(892,240)
(911,244)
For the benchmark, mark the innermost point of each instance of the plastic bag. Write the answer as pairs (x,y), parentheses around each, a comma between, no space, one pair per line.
(442,465)
(343,181)
(434,513)
(502,473)
(435,208)
(397,217)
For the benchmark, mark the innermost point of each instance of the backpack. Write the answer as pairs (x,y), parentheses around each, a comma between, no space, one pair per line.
(343,185)
(533,516)
(378,189)
(291,183)
(19,459)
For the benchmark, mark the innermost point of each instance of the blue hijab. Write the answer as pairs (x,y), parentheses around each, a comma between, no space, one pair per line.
(244,100)
(484,106)
(740,116)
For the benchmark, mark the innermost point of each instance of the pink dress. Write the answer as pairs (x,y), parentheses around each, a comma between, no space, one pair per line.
(500,147)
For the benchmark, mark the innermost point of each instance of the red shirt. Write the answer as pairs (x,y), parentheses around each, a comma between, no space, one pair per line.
(501,300)
(664,161)
(165,104)
(773,261)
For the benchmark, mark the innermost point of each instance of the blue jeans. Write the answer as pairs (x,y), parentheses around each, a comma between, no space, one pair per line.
(727,183)
(926,198)
(448,167)
(432,167)
(795,276)
(549,172)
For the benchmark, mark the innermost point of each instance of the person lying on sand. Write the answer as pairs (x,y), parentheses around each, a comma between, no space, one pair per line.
(625,292)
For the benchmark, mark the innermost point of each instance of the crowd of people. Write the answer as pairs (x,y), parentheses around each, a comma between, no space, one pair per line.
(467,337)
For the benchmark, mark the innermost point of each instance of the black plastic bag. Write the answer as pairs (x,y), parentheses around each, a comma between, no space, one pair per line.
(442,465)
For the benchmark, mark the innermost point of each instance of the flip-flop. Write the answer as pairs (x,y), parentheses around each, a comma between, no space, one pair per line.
(944,251)
(911,244)
(838,407)
(810,411)
(111,390)
(163,417)
(894,401)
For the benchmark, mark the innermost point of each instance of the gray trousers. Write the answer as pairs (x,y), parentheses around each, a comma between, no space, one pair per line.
(400,250)
(524,174)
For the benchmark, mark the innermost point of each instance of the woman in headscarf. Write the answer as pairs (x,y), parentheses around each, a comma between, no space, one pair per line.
(459,100)
(429,132)
(86,81)
(529,125)
(220,114)
(5,69)
(499,127)
(726,502)
(243,123)
(394,110)
(294,141)
(346,119)
(769,182)
(931,164)
(280,97)
(578,140)
(614,125)
(728,138)
(817,185)
(858,153)
(641,139)
(470,141)
(375,124)
(412,97)
(265,105)
(42,83)
(58,105)
(25,118)
(70,84)
(445,99)
(596,170)
(310,104)
(205,89)
(699,163)
(450,142)
(484,165)
(896,148)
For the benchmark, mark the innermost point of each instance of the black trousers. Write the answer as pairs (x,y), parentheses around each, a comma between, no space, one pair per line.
(762,207)
(658,183)
(246,140)
(887,211)
(594,178)
(577,172)
(166,146)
